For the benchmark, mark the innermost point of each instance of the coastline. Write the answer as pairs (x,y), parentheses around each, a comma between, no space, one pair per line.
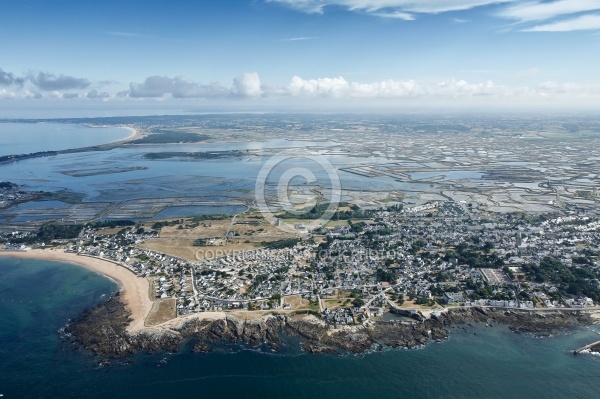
(102,330)
(117,327)
(135,134)
(133,290)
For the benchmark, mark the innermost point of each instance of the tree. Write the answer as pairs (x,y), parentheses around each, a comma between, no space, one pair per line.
(358,302)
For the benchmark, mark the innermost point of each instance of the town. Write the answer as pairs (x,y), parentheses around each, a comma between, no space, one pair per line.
(395,262)
(436,213)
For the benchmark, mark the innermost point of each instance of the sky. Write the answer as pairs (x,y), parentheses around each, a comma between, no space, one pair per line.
(100,58)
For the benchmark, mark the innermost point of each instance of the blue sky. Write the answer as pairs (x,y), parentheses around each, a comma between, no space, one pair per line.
(92,57)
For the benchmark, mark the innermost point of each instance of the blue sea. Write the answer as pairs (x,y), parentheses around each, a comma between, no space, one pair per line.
(25,138)
(39,297)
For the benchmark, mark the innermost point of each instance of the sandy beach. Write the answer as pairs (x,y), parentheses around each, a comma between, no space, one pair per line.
(134,290)
(135,134)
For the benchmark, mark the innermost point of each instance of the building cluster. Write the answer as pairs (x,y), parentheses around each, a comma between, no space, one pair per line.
(442,253)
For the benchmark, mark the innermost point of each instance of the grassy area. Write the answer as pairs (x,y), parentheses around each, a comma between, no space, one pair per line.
(314,306)
(410,304)
(337,303)
(296,302)
(162,311)
(248,233)
(335,223)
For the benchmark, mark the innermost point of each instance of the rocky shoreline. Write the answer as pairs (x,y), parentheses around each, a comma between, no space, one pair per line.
(103,331)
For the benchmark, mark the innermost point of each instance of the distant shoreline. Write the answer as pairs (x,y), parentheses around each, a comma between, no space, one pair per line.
(135,134)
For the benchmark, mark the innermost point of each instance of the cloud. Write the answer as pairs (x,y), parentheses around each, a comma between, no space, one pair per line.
(49,82)
(538,11)
(177,87)
(301,38)
(94,94)
(453,91)
(395,15)
(402,9)
(323,87)
(551,13)
(184,88)
(583,22)
(8,78)
(153,86)
(247,85)
(340,88)
(6,94)
(337,91)
(552,89)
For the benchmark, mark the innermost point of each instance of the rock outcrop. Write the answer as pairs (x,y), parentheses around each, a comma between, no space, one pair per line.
(102,330)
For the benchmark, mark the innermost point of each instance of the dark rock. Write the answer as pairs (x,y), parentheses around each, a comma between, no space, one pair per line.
(103,330)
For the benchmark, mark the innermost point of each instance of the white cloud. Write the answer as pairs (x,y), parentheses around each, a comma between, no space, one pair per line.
(390,6)
(453,91)
(325,87)
(537,10)
(247,85)
(7,94)
(185,88)
(583,22)
(551,12)
(299,39)
(395,15)
(326,91)
(399,9)
(177,87)
(387,89)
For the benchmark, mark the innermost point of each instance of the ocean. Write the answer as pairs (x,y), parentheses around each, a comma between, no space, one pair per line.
(38,297)
(25,138)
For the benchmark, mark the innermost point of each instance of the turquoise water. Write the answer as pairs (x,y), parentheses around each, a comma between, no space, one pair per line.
(37,298)
(24,138)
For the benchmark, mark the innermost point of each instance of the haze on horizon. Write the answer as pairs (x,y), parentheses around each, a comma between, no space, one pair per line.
(128,58)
